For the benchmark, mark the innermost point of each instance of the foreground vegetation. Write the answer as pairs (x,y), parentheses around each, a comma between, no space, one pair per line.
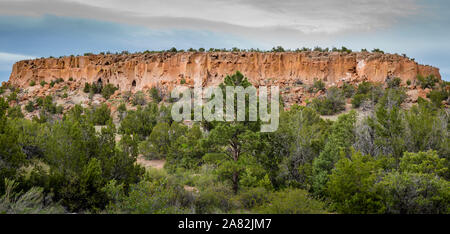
(392,161)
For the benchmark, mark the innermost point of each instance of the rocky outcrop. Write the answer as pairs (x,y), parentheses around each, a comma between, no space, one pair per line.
(290,70)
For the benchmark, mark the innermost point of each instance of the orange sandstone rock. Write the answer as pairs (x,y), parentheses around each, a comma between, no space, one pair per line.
(166,70)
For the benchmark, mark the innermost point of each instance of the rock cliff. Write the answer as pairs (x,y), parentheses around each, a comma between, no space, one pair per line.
(290,70)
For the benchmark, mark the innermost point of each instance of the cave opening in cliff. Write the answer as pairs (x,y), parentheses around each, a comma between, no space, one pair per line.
(133,83)
(99,82)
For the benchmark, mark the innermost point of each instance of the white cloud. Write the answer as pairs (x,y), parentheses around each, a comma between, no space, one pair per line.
(301,16)
(8,59)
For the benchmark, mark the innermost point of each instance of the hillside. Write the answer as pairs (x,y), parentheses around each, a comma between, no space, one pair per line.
(294,72)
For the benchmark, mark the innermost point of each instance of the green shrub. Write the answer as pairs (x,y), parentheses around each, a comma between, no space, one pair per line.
(436,97)
(95,88)
(350,186)
(348,90)
(292,201)
(15,112)
(32,83)
(122,109)
(319,85)
(427,82)
(367,91)
(424,162)
(358,99)
(30,106)
(126,96)
(376,50)
(140,122)
(48,105)
(156,194)
(364,88)
(278,49)
(393,82)
(43,83)
(59,109)
(253,197)
(32,201)
(87,87)
(392,97)
(101,115)
(155,94)
(12,97)
(139,99)
(414,193)
(214,199)
(108,90)
(158,143)
(332,103)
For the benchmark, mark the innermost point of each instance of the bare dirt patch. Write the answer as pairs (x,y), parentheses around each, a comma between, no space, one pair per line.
(190,189)
(157,164)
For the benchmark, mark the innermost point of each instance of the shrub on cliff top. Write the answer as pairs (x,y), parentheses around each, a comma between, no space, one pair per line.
(376,50)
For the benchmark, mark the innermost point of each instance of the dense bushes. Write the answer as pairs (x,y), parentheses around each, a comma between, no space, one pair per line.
(292,201)
(108,90)
(390,160)
(141,121)
(364,184)
(393,82)
(30,106)
(139,99)
(155,94)
(332,103)
(157,193)
(46,104)
(101,115)
(427,82)
(366,92)
(29,202)
(318,85)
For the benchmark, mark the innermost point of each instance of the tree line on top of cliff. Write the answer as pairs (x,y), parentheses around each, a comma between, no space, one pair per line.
(276,49)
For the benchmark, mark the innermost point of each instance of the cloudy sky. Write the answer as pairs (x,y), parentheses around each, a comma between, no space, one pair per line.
(42,28)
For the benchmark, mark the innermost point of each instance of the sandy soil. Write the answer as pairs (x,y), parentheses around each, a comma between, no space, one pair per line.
(158,164)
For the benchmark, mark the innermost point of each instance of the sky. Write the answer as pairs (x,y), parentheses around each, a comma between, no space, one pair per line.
(43,28)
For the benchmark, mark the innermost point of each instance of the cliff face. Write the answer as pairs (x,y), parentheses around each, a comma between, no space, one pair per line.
(289,70)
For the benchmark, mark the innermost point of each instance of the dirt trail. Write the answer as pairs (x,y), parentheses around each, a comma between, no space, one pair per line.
(157,164)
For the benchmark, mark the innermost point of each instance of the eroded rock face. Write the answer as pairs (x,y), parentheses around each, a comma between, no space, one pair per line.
(290,70)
